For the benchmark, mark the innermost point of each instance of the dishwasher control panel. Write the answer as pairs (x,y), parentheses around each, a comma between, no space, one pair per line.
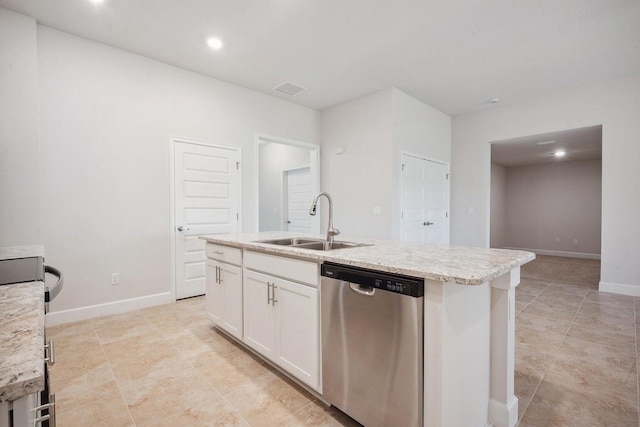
(406,285)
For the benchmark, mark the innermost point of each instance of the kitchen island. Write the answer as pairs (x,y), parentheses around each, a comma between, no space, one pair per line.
(469,318)
(21,335)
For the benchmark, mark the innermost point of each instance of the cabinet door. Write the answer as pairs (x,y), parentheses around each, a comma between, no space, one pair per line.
(214,292)
(259,314)
(297,331)
(230,278)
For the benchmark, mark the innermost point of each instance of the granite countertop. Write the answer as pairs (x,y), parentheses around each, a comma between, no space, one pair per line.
(455,264)
(21,332)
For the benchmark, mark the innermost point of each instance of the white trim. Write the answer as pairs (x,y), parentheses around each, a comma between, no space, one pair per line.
(172,194)
(261,138)
(501,415)
(557,253)
(106,309)
(620,288)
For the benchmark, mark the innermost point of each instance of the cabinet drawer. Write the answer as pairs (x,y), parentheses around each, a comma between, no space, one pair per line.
(224,253)
(277,265)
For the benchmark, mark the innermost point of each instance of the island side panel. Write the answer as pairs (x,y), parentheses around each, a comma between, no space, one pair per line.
(503,406)
(457,354)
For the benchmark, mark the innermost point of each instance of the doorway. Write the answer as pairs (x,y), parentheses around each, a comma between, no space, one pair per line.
(546,197)
(297,193)
(205,195)
(288,177)
(424,192)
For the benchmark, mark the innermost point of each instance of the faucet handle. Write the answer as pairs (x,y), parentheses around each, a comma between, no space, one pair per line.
(334,231)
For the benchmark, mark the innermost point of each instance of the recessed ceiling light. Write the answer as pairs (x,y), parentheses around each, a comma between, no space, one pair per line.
(494,101)
(215,43)
(546,142)
(96,1)
(560,153)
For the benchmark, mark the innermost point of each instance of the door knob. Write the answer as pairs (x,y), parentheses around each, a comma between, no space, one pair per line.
(181,228)
(288,222)
(427,223)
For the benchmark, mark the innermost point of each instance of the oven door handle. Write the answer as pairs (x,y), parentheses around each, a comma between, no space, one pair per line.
(53,291)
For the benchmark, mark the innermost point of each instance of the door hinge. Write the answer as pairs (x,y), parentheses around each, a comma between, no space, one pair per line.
(446,214)
(402,215)
(447,176)
(403,166)
(237,165)
(237,216)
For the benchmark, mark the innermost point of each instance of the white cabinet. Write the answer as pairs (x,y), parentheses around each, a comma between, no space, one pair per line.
(224,290)
(281,323)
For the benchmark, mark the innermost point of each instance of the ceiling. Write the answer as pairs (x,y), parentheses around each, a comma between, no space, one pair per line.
(579,144)
(454,55)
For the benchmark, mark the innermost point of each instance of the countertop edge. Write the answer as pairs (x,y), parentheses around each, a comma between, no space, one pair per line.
(516,258)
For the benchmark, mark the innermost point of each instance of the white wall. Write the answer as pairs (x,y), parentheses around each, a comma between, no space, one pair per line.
(420,129)
(374,130)
(274,158)
(555,200)
(614,105)
(106,119)
(498,205)
(19,172)
(360,177)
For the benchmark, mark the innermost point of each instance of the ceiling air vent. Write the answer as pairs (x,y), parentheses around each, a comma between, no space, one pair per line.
(289,88)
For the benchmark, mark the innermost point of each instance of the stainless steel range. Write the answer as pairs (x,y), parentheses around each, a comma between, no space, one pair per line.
(372,345)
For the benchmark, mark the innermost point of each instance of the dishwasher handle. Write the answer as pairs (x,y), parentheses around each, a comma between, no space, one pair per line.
(362,290)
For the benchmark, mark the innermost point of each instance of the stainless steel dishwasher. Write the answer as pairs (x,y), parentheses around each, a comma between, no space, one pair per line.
(372,345)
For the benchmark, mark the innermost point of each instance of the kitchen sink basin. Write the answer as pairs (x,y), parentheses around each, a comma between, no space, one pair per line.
(312,244)
(327,246)
(292,241)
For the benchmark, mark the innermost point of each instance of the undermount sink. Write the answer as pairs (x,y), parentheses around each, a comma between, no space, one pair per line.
(292,241)
(312,244)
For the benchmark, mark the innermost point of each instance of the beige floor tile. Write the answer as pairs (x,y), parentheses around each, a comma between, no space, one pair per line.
(151,400)
(269,403)
(547,341)
(607,312)
(230,370)
(155,365)
(556,288)
(207,413)
(122,326)
(175,327)
(526,383)
(622,343)
(106,412)
(76,391)
(606,323)
(552,310)
(543,324)
(607,298)
(133,347)
(76,356)
(201,349)
(70,330)
(532,359)
(555,405)
(312,415)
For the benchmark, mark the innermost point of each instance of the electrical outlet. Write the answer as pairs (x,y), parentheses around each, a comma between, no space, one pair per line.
(575,241)
(557,240)
(115,278)
(377,210)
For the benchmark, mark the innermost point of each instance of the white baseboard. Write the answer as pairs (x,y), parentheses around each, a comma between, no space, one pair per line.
(619,288)
(558,253)
(116,307)
(503,415)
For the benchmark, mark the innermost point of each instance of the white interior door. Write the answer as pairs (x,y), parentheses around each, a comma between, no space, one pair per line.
(206,201)
(425,200)
(298,197)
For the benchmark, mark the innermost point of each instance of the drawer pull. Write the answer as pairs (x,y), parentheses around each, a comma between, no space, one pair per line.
(51,356)
(218,252)
(51,416)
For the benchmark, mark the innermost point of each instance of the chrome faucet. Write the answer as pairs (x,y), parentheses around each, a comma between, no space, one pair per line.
(312,211)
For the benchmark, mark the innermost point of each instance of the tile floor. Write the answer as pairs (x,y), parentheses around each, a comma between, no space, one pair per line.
(576,365)
(167,366)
